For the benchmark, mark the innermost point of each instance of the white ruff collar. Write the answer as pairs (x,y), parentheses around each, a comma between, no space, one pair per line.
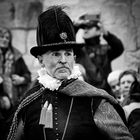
(52,83)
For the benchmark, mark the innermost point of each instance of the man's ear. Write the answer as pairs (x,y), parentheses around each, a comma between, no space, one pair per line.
(40,59)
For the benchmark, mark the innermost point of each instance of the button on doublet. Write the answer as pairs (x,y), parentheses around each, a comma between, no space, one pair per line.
(56,116)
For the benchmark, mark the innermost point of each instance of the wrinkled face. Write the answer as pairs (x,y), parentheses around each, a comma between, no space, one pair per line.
(91,32)
(125,83)
(59,64)
(4,38)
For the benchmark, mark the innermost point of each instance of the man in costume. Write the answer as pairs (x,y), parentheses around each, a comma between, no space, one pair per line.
(60,106)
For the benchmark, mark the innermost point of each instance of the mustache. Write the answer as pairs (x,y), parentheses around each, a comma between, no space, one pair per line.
(63,67)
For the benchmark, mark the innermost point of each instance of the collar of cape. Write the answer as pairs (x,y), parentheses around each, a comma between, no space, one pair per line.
(71,87)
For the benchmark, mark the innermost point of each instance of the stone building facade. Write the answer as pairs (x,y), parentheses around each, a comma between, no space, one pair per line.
(120,17)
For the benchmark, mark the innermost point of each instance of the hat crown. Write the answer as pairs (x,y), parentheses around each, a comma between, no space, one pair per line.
(55,31)
(54,26)
(91,17)
(90,20)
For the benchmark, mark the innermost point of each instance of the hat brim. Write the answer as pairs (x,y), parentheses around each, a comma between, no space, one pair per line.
(39,50)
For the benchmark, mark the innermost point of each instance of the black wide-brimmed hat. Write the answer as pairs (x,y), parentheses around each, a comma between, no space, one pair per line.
(55,31)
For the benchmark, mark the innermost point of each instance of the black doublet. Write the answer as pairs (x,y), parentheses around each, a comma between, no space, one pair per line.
(80,125)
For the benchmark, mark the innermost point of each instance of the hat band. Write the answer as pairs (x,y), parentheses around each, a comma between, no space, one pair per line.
(54,44)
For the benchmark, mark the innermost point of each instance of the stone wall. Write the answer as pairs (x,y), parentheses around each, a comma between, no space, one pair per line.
(120,17)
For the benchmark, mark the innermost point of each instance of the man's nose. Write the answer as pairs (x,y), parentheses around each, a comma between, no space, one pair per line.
(63,58)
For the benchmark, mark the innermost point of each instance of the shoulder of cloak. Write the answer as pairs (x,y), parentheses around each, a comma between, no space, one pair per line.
(81,88)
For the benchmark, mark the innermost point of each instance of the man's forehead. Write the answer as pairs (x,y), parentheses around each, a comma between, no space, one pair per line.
(58,51)
(55,50)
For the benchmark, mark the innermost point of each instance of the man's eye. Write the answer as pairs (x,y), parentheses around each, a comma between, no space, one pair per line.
(68,53)
(55,54)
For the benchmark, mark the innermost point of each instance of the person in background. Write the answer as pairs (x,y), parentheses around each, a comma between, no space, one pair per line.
(62,106)
(14,79)
(113,81)
(126,78)
(95,56)
(132,110)
(14,73)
